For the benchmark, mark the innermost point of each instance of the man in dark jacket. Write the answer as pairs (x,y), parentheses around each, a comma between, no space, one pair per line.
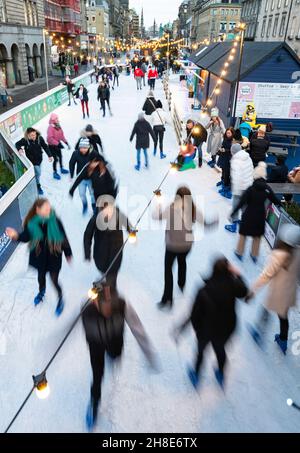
(80,158)
(197,135)
(33,145)
(279,172)
(104,97)
(150,104)
(259,145)
(70,89)
(213,315)
(93,137)
(142,130)
(104,323)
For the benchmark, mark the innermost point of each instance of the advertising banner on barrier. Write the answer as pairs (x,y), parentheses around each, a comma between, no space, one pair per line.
(11,217)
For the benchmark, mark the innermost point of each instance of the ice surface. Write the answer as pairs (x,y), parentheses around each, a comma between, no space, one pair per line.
(133,399)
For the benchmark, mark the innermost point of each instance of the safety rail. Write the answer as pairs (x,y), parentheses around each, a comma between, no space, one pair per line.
(177,122)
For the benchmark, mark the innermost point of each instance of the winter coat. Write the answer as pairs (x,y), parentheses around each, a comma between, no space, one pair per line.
(213,314)
(107,242)
(259,148)
(103,93)
(152,74)
(149,106)
(41,257)
(159,118)
(241,172)
(94,139)
(138,73)
(34,149)
(80,160)
(199,138)
(55,135)
(102,184)
(142,130)
(254,216)
(278,174)
(84,94)
(144,68)
(70,86)
(108,333)
(225,153)
(283,273)
(215,138)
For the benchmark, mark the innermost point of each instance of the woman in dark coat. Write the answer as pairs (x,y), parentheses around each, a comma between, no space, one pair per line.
(48,241)
(106,229)
(213,315)
(224,163)
(150,104)
(142,129)
(254,216)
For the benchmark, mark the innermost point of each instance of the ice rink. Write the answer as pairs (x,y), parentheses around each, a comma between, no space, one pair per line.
(135,399)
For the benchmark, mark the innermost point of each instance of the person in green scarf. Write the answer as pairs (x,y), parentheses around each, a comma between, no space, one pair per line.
(47,242)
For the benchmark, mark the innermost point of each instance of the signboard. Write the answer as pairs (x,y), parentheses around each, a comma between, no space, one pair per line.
(11,217)
(271,100)
(276,217)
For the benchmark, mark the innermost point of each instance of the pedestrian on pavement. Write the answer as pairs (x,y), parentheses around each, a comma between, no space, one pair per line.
(104,322)
(116,74)
(152,76)
(104,97)
(138,75)
(282,274)
(70,89)
(254,215)
(181,215)
(241,177)
(56,139)
(82,94)
(94,138)
(48,241)
(106,230)
(224,163)
(197,135)
(159,119)
(3,95)
(81,157)
(33,145)
(279,172)
(99,172)
(76,69)
(213,316)
(62,70)
(68,71)
(142,130)
(259,145)
(150,104)
(216,130)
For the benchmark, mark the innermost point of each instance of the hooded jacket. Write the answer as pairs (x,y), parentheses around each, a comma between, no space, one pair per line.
(142,130)
(55,134)
(79,161)
(94,140)
(241,172)
(150,105)
(34,148)
(103,93)
(104,184)
(258,148)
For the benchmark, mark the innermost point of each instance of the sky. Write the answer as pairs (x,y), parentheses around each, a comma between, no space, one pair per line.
(162,10)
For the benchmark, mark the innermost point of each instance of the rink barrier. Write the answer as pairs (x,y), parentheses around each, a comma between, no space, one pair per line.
(177,122)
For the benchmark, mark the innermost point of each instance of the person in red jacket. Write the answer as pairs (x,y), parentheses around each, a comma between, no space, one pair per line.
(138,75)
(56,139)
(152,76)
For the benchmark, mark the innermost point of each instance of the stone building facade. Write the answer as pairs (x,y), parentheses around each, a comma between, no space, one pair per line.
(21,41)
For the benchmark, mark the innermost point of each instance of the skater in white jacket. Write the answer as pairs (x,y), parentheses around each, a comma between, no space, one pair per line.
(241,175)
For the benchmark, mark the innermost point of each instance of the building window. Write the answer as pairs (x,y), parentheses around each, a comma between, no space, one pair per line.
(263,28)
(279,4)
(269,26)
(30,13)
(293,27)
(267,5)
(223,27)
(232,25)
(282,25)
(2,12)
(275,27)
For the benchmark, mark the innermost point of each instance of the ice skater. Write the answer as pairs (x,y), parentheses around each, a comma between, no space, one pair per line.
(142,130)
(56,139)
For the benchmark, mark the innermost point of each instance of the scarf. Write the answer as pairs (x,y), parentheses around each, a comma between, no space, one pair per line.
(55,237)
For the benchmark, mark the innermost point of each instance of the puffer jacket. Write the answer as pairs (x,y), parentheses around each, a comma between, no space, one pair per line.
(55,134)
(241,173)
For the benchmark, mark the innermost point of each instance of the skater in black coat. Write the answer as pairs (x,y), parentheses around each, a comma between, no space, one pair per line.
(104,323)
(106,229)
(150,104)
(48,241)
(259,145)
(142,129)
(101,177)
(94,138)
(254,216)
(224,162)
(213,316)
(103,95)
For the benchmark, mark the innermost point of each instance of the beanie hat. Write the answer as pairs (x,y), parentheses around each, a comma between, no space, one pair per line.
(260,171)
(263,128)
(235,148)
(89,128)
(84,143)
(53,118)
(214,112)
(290,234)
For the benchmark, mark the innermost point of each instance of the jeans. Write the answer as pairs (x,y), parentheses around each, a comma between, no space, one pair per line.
(138,157)
(138,83)
(86,184)
(169,261)
(102,102)
(38,172)
(152,84)
(200,154)
(116,78)
(144,80)
(159,135)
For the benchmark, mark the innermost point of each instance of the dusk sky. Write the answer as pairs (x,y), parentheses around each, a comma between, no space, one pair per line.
(161,10)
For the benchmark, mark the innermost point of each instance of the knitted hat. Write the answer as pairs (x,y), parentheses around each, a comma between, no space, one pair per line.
(84,143)
(214,112)
(235,148)
(260,171)
(290,234)
(89,128)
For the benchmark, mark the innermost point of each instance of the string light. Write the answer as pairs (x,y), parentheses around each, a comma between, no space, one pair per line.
(132,238)
(42,388)
(92,294)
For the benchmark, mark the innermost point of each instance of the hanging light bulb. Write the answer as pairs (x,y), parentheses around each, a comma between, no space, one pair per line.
(132,237)
(196,130)
(231,57)
(223,73)
(93,294)
(42,388)
(174,168)
(209,102)
(158,194)
(217,91)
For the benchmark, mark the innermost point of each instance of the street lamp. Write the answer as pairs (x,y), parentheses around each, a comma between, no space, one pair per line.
(45,32)
(241,28)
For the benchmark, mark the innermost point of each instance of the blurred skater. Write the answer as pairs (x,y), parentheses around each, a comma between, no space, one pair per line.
(94,138)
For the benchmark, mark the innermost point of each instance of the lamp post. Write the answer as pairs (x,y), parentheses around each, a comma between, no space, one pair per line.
(241,28)
(45,58)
